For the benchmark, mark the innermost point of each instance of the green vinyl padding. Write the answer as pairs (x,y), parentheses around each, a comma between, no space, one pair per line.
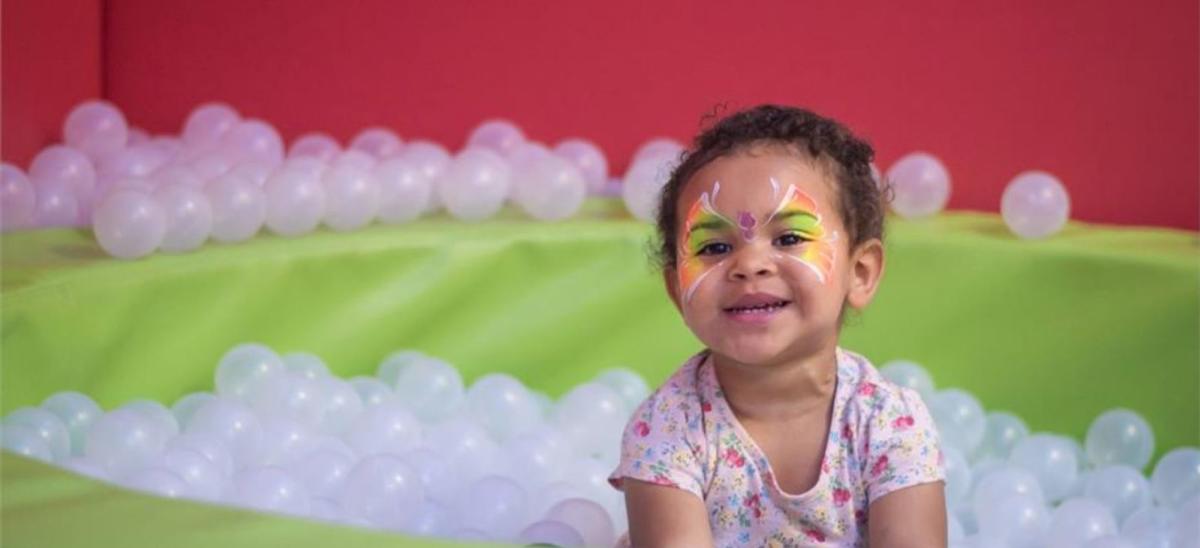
(1056,331)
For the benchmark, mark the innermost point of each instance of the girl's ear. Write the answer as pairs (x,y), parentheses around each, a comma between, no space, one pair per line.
(866,269)
(671,281)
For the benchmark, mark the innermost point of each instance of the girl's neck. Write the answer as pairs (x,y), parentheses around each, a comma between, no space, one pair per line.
(790,389)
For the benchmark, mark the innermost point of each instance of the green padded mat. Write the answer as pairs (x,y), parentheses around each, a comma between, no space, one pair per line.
(1055,331)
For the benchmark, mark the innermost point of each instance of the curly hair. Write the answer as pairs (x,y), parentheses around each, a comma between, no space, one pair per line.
(861,201)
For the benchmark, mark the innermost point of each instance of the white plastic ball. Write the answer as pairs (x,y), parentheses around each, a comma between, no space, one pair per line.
(207,123)
(1051,460)
(1077,521)
(372,391)
(269,489)
(921,185)
(245,368)
(501,136)
(959,417)
(502,405)
(1176,477)
(1003,432)
(643,183)
(628,383)
(495,505)
(158,413)
(382,489)
(77,412)
(156,481)
(379,142)
(475,185)
(1120,436)
(186,406)
(25,440)
(549,188)
(432,388)
(123,440)
(587,517)
(1035,205)
(189,217)
(909,374)
(129,224)
(592,416)
(204,478)
(351,197)
(386,428)
(1119,487)
(211,446)
(96,127)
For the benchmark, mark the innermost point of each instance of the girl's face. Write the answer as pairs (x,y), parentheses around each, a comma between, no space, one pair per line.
(762,266)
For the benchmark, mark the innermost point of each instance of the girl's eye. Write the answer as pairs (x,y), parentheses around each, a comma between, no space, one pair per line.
(715,248)
(790,239)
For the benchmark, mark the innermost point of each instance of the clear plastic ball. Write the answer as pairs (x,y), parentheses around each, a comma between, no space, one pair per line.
(549,188)
(156,481)
(959,417)
(204,478)
(1077,521)
(269,489)
(501,136)
(158,413)
(77,412)
(233,423)
(592,416)
(1018,520)
(123,440)
(909,374)
(212,447)
(317,145)
(1035,205)
(253,140)
(429,157)
(305,364)
(1051,460)
(475,184)
(405,190)
(129,224)
(1120,436)
(208,122)
(388,428)
(239,208)
(921,185)
(1003,432)
(657,147)
(628,383)
(189,217)
(322,470)
(17,198)
(48,425)
(57,204)
(1119,487)
(588,518)
(244,369)
(25,440)
(1149,527)
(588,159)
(382,489)
(295,201)
(351,197)
(430,387)
(1176,477)
(372,391)
(96,127)
(643,184)
(379,142)
(186,406)
(291,395)
(495,505)
(64,164)
(502,405)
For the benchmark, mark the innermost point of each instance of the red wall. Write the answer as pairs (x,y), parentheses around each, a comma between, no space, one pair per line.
(1104,94)
(49,61)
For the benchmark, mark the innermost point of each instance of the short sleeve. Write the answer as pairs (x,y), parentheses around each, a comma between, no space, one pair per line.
(904,448)
(662,442)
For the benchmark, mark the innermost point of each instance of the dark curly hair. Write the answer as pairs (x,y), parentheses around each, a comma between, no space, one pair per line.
(861,201)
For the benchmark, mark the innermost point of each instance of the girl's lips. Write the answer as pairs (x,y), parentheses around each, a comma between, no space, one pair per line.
(756,315)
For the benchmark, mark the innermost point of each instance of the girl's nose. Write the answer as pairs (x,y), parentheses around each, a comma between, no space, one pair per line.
(751,263)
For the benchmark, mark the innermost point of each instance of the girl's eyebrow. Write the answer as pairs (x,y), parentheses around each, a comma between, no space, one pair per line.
(792,212)
(716,223)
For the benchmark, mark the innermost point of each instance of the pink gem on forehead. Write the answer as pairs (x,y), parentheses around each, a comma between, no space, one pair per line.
(747,222)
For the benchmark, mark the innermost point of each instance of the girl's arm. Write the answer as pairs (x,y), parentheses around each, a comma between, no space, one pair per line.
(909,517)
(661,516)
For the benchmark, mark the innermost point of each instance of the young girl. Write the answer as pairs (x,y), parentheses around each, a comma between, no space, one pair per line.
(774,435)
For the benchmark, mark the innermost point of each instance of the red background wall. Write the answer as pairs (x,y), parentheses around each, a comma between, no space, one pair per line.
(1104,94)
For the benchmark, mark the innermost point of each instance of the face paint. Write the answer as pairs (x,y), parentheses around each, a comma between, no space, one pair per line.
(702,222)
(797,211)
(747,222)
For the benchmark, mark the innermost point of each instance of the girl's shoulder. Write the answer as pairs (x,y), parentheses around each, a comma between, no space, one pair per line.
(684,387)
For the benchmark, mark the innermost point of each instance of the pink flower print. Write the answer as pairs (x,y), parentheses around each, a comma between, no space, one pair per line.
(706,407)
(847,435)
(880,466)
(755,504)
(641,428)
(734,458)
(902,423)
(866,389)
(814,535)
(841,497)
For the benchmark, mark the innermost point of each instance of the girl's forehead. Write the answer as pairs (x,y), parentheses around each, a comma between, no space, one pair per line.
(756,181)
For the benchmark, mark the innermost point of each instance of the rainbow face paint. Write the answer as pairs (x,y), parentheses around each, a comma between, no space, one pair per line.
(797,211)
(701,224)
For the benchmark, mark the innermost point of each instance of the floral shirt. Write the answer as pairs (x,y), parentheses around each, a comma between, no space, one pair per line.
(685,435)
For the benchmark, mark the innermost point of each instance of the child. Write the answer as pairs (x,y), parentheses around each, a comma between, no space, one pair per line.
(774,435)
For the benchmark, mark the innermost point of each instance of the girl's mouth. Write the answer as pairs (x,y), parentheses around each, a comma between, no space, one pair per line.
(758,313)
